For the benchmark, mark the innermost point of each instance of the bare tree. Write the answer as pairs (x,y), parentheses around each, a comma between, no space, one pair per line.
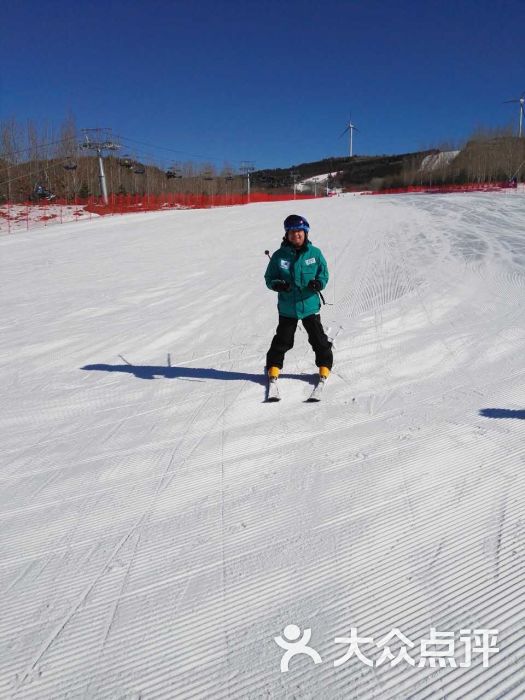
(10,153)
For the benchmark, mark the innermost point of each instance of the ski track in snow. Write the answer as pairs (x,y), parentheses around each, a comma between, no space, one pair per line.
(161,524)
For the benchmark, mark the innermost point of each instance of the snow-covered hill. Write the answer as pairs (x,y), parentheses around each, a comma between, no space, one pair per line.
(319,181)
(161,524)
(438,160)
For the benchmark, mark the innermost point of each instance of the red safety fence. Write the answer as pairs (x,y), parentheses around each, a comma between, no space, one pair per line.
(119,204)
(25,215)
(447,189)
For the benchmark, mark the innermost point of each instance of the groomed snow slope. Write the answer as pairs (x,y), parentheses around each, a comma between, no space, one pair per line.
(161,524)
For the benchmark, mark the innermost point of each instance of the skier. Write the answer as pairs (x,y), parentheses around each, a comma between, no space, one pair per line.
(298,272)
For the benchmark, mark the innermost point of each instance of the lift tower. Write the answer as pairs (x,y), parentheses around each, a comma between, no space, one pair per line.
(99,140)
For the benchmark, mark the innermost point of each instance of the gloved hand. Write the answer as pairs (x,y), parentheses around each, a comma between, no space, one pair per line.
(281,286)
(314,285)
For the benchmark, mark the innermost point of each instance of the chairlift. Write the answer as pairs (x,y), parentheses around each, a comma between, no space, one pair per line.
(172,174)
(70,165)
(139,169)
(126,162)
(40,192)
(206,175)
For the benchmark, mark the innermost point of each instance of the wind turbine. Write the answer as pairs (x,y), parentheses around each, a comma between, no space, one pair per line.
(351,128)
(521,103)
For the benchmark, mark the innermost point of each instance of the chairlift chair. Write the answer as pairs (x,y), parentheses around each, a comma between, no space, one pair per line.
(126,162)
(40,192)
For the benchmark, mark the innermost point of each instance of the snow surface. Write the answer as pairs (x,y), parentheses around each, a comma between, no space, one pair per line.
(21,217)
(161,524)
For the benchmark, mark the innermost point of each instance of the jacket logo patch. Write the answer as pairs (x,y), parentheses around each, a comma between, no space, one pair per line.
(310,261)
(285,264)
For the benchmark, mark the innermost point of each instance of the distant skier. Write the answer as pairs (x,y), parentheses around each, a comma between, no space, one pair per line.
(298,272)
(40,192)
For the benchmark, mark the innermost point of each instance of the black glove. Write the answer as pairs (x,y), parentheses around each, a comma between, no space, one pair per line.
(314,285)
(281,286)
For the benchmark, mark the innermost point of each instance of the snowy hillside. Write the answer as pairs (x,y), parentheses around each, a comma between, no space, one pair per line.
(438,160)
(319,180)
(161,524)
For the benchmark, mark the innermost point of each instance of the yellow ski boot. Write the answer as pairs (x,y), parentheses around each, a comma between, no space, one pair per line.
(316,394)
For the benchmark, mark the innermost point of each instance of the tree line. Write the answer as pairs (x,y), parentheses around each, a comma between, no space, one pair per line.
(41,161)
(38,161)
(488,156)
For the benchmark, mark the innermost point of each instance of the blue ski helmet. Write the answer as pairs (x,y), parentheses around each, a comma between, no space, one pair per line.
(294,222)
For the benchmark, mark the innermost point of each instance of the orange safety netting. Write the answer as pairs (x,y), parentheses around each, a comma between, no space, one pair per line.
(119,204)
(25,215)
(445,189)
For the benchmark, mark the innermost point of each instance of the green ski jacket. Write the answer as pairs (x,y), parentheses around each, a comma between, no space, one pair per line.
(297,267)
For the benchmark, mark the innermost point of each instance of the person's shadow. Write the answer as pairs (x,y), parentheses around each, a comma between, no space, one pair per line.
(192,373)
(502,413)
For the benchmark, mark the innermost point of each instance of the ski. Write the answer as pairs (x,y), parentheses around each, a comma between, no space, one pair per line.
(317,391)
(273,391)
(274,395)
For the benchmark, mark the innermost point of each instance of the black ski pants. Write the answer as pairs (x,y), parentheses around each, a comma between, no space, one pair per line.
(284,337)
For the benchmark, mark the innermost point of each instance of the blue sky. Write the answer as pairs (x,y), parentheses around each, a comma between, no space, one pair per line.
(273,82)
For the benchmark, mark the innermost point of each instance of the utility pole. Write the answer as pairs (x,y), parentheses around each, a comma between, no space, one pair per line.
(516,174)
(295,175)
(99,140)
(247,167)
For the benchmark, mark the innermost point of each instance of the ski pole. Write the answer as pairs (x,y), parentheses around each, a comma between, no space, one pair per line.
(326,303)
